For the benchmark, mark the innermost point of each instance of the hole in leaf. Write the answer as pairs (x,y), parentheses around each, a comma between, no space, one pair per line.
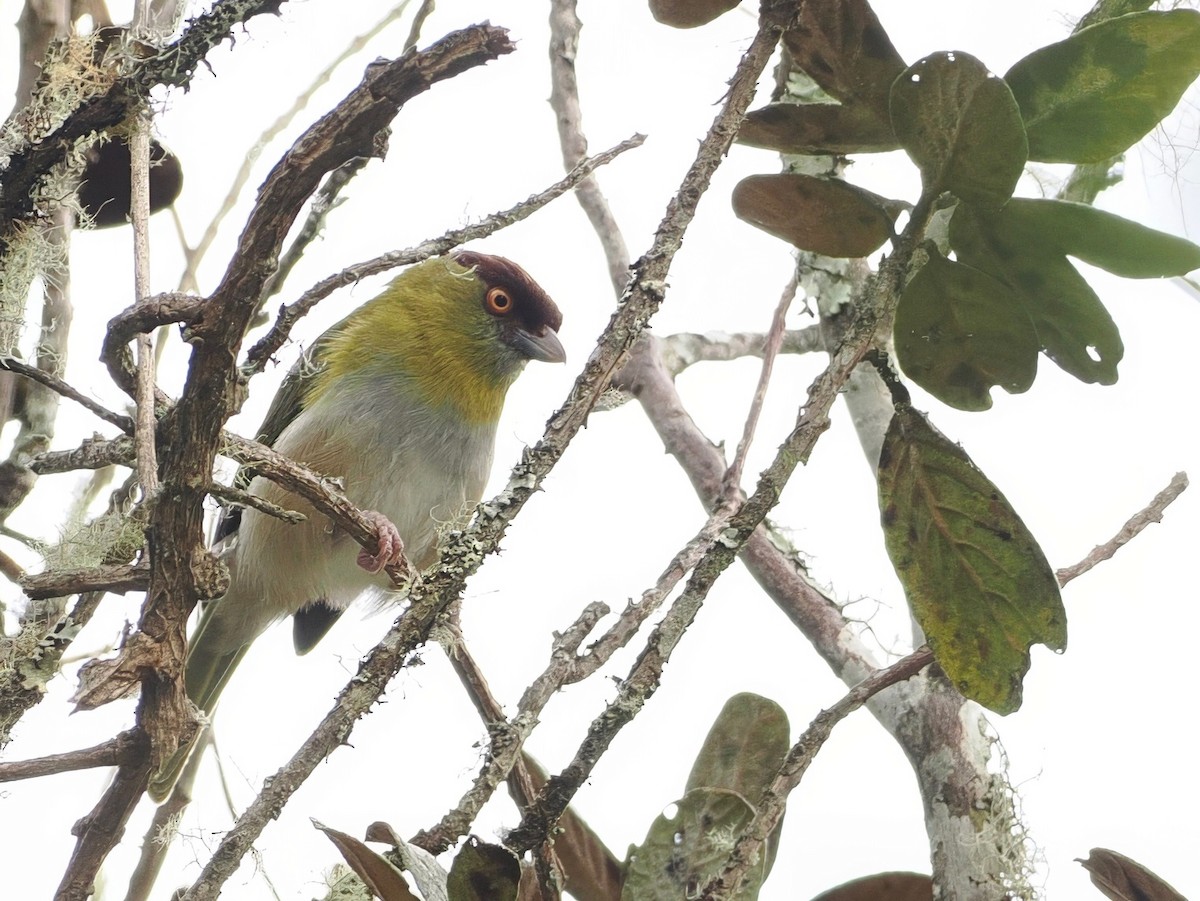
(915,79)
(671,811)
(1094,353)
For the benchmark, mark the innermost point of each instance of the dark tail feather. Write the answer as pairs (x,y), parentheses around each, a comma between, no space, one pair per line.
(310,624)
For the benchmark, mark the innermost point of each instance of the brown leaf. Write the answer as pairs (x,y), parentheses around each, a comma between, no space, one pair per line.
(843,47)
(882,887)
(689,13)
(1123,879)
(818,128)
(592,872)
(376,873)
(822,215)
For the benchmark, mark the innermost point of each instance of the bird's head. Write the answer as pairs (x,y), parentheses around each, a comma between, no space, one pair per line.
(459,328)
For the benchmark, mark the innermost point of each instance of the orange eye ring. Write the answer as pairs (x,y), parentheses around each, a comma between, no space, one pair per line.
(498,301)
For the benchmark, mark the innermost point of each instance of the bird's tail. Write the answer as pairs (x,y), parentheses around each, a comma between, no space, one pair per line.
(209,665)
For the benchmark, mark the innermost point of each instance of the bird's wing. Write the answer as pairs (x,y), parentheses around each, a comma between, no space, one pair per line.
(285,407)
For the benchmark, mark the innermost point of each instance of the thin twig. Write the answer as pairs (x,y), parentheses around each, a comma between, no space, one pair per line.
(770,806)
(239,498)
(260,353)
(59,386)
(269,134)
(684,349)
(564,101)
(112,579)
(114,752)
(1152,512)
(774,340)
(146,429)
(566,666)
(414,33)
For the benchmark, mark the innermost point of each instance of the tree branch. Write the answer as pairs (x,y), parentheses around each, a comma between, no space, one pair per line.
(1151,513)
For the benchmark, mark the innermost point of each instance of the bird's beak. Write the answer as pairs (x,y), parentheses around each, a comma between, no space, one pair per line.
(545,347)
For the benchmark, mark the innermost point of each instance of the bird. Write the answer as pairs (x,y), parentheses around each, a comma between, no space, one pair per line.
(400,402)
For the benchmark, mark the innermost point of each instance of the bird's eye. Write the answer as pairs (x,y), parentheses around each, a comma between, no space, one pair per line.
(499,302)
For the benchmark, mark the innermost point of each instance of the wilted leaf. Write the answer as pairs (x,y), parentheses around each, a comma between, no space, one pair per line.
(689,13)
(842,46)
(882,887)
(426,872)
(818,128)
(682,852)
(976,580)
(483,872)
(376,873)
(822,215)
(1073,327)
(1113,243)
(1093,95)
(1123,879)
(592,872)
(959,332)
(743,751)
(961,126)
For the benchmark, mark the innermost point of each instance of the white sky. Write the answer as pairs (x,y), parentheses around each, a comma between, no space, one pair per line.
(1101,750)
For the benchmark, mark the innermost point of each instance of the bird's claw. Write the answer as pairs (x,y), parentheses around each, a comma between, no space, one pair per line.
(390,548)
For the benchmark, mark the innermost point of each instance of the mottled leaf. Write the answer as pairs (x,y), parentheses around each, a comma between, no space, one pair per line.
(687,845)
(822,215)
(689,13)
(959,331)
(1123,879)
(961,126)
(882,887)
(818,128)
(743,751)
(1111,242)
(483,872)
(376,873)
(1093,95)
(842,46)
(1073,327)
(977,582)
(592,871)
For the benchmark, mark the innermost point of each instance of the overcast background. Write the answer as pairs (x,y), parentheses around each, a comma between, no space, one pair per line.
(1102,751)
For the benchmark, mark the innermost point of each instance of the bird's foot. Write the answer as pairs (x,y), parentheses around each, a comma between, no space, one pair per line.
(390,548)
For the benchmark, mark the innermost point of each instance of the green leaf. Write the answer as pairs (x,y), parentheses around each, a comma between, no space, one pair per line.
(1073,327)
(483,872)
(687,846)
(976,580)
(743,751)
(816,128)
(961,126)
(822,215)
(689,13)
(959,331)
(1098,92)
(1113,243)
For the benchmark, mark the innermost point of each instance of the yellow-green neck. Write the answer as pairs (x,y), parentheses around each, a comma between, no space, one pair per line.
(433,313)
